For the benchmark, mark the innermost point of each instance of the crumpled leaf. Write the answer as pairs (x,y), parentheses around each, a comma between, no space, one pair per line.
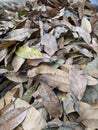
(12,119)
(50,44)
(19,34)
(50,100)
(28,53)
(78,82)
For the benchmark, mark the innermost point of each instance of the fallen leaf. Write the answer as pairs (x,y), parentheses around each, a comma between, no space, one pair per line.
(50,44)
(89,118)
(3,54)
(28,53)
(16,77)
(12,119)
(86,25)
(85,35)
(19,34)
(61,82)
(50,100)
(7,44)
(45,69)
(34,120)
(17,62)
(78,82)
(92,68)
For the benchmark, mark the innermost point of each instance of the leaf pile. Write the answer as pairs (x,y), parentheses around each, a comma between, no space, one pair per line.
(49,65)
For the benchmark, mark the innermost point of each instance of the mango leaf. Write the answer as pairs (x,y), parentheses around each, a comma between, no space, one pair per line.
(12,119)
(28,53)
(78,82)
(50,100)
(19,34)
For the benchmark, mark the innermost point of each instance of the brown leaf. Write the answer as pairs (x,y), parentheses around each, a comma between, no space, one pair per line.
(19,34)
(45,69)
(16,77)
(17,63)
(50,44)
(89,117)
(50,100)
(61,82)
(7,44)
(12,119)
(34,120)
(78,82)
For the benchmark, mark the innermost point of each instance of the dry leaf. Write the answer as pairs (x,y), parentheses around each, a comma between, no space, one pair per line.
(50,44)
(16,77)
(86,25)
(34,120)
(12,119)
(3,54)
(19,34)
(78,82)
(61,82)
(28,53)
(85,35)
(89,118)
(44,69)
(50,100)
(7,44)
(17,62)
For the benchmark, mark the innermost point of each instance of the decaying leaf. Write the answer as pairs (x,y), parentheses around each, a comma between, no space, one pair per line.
(28,53)
(50,100)
(78,82)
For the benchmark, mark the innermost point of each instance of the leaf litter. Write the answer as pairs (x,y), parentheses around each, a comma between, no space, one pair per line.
(49,65)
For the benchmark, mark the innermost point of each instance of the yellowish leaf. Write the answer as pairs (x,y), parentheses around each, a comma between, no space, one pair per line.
(28,53)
